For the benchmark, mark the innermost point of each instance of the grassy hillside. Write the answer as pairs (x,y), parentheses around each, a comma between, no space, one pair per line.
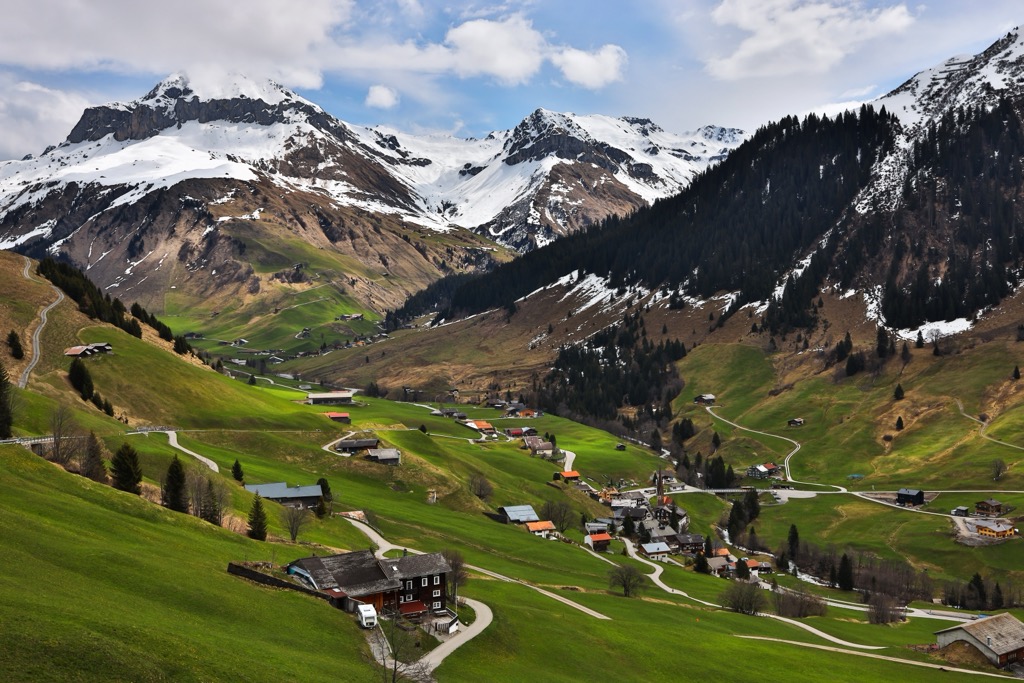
(100,585)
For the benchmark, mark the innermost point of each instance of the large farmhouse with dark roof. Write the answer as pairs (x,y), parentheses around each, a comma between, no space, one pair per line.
(1000,637)
(412,584)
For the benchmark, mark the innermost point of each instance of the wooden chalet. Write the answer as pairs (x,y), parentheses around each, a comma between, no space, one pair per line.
(518,514)
(410,585)
(386,456)
(990,507)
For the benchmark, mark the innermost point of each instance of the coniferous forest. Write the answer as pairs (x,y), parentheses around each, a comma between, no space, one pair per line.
(738,227)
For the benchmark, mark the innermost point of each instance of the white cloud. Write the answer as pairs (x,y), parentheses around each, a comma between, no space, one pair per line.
(592,70)
(799,36)
(510,50)
(33,117)
(263,38)
(381,97)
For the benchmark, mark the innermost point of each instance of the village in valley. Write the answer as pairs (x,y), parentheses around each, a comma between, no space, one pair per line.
(645,520)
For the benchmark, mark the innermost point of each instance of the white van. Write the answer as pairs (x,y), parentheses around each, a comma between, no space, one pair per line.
(367,616)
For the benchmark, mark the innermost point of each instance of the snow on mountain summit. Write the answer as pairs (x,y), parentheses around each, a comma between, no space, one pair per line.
(966,79)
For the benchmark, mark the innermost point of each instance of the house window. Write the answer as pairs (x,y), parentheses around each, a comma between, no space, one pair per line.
(437,605)
(436,594)
(408,585)
(401,599)
(437,580)
(424,581)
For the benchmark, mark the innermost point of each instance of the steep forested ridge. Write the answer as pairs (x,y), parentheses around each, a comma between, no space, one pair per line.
(956,243)
(738,227)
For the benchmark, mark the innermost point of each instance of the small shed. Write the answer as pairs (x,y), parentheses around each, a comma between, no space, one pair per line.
(705,399)
(567,475)
(344,418)
(910,497)
(599,541)
(960,511)
(796,422)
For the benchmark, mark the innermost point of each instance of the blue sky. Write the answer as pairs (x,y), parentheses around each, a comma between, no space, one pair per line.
(467,68)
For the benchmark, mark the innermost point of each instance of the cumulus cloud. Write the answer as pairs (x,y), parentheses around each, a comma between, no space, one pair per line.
(592,70)
(263,38)
(381,97)
(32,117)
(511,50)
(799,36)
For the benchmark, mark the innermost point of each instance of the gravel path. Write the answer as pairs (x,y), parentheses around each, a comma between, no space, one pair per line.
(35,349)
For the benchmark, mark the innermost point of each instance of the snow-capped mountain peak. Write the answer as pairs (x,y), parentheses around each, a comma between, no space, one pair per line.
(958,81)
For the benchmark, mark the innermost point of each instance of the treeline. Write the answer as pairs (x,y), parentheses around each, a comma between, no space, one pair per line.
(737,227)
(91,301)
(99,306)
(617,367)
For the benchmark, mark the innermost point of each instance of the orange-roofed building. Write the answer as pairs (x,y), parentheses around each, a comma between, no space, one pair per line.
(600,542)
(543,529)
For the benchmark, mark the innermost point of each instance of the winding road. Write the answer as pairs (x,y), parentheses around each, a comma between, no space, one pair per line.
(384,545)
(36,333)
(796,449)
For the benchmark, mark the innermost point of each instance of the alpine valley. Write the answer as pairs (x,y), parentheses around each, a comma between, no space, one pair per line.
(793,352)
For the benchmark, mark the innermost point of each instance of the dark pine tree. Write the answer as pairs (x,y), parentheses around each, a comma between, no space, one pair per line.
(80,379)
(93,466)
(210,508)
(236,471)
(173,494)
(257,520)
(793,542)
(898,392)
(844,577)
(899,423)
(14,344)
(125,470)
(1016,372)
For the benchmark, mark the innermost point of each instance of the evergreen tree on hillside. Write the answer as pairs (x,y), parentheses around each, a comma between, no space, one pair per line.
(210,508)
(14,344)
(125,469)
(899,423)
(844,577)
(257,520)
(173,494)
(1016,372)
(898,392)
(80,379)
(93,466)
(793,542)
(6,404)
(236,471)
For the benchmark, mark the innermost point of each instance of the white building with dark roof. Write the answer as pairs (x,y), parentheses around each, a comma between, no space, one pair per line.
(999,637)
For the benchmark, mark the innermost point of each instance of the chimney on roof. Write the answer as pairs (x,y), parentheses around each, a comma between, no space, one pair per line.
(405,551)
(988,640)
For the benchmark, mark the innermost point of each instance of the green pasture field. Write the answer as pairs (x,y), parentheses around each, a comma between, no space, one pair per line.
(102,585)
